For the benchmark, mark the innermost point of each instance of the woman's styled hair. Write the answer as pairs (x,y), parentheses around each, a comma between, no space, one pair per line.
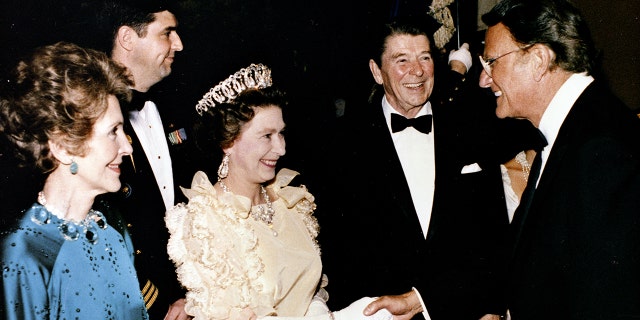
(58,93)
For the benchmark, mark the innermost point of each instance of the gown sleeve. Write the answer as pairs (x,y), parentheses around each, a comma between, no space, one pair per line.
(27,261)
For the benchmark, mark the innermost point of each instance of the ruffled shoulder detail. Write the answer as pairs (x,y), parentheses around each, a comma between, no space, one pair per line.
(297,197)
(284,177)
(215,252)
(202,186)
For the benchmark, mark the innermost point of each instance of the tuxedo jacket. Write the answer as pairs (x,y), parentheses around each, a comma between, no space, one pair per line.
(372,241)
(577,253)
(140,203)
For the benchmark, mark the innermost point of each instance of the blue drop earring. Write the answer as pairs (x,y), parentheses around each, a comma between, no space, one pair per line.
(73,167)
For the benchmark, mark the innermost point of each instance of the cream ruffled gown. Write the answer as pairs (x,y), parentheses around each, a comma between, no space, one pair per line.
(229,261)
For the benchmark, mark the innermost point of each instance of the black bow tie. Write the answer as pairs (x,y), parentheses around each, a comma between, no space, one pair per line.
(540,143)
(421,123)
(138,99)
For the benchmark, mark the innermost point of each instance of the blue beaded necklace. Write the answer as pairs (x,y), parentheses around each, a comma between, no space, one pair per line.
(69,229)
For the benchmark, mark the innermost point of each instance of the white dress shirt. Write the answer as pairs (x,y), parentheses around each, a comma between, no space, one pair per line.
(417,156)
(148,127)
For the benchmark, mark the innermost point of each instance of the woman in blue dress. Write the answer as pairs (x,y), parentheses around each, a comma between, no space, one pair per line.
(60,258)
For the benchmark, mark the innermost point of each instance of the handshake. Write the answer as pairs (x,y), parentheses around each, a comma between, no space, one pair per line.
(318,311)
(354,311)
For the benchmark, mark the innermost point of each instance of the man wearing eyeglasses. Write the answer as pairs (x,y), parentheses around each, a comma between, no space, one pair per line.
(576,233)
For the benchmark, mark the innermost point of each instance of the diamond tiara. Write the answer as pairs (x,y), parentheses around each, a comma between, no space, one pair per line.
(255,76)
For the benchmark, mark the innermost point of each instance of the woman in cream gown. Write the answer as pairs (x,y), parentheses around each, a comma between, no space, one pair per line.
(232,261)
(245,246)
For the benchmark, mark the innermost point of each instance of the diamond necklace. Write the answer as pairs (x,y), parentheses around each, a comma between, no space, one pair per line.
(521,158)
(259,212)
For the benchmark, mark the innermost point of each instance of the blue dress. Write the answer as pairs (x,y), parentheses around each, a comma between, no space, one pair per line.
(56,269)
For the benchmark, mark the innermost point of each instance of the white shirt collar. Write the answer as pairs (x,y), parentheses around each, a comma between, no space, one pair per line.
(561,104)
(416,153)
(559,108)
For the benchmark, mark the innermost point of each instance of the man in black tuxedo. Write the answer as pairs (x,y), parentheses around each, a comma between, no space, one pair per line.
(412,211)
(145,41)
(576,233)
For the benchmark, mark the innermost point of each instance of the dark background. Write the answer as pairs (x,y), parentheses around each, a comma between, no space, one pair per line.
(315,48)
(312,46)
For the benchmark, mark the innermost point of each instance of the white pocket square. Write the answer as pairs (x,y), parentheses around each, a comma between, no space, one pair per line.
(471,168)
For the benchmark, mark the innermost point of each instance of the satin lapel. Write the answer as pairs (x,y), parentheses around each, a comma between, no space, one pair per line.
(551,174)
(565,139)
(136,170)
(137,160)
(446,131)
(446,162)
(391,167)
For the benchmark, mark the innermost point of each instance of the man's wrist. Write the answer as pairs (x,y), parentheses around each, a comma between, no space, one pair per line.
(414,299)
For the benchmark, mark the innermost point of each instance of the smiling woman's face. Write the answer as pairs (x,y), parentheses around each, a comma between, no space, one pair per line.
(99,169)
(255,153)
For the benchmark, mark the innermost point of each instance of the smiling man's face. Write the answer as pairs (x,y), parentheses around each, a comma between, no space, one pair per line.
(406,72)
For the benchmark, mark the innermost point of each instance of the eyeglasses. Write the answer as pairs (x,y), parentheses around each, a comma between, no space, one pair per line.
(486,64)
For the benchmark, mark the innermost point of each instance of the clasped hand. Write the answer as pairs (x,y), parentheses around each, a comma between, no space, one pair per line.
(355,311)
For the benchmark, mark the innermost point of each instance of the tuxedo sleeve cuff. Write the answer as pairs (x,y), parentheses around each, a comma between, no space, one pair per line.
(425,313)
